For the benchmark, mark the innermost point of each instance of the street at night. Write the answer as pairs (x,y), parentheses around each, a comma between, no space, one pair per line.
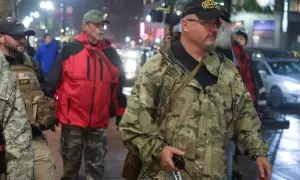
(149,89)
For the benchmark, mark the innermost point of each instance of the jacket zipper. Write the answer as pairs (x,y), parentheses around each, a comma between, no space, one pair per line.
(101,68)
(93,95)
(69,106)
(88,67)
(107,65)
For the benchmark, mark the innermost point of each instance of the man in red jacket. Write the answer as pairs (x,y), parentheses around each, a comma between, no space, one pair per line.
(86,81)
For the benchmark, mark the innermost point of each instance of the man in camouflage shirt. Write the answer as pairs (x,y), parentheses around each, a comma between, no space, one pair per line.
(15,127)
(212,109)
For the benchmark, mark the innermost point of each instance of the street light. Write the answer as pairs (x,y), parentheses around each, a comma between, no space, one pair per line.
(27,21)
(105,16)
(36,14)
(148,18)
(157,40)
(30,19)
(47,5)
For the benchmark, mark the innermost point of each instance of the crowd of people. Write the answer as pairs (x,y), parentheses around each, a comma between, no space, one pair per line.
(194,103)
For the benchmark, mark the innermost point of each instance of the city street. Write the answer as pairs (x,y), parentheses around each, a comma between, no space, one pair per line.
(81,53)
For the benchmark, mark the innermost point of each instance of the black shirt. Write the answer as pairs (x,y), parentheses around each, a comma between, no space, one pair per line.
(203,76)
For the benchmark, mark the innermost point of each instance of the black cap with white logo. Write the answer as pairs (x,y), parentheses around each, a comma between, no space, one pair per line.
(203,9)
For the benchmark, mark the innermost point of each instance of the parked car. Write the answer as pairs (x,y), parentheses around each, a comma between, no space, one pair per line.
(281,79)
(280,72)
(268,53)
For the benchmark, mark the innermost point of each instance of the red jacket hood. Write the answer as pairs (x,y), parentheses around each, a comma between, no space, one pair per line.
(101,45)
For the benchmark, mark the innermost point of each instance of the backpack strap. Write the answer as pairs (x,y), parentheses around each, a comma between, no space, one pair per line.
(184,83)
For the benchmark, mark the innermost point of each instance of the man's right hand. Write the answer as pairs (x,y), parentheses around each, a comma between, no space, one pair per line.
(166,158)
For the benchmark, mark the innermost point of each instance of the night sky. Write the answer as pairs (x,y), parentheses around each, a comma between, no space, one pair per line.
(125,17)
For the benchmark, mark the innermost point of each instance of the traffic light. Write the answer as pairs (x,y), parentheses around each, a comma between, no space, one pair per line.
(157,16)
(172,19)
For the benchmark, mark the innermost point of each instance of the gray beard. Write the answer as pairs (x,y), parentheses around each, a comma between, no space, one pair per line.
(224,38)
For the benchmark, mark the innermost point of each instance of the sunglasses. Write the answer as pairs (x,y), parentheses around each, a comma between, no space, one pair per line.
(207,23)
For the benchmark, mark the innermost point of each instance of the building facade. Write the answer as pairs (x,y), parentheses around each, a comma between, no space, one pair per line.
(7,8)
(293,29)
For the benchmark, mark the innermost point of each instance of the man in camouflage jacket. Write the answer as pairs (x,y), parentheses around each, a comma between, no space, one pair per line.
(212,109)
(18,149)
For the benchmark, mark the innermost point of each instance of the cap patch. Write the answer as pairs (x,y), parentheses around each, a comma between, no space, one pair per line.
(209,4)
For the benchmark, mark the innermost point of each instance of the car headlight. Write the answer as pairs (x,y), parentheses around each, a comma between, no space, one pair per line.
(132,54)
(130,65)
(291,85)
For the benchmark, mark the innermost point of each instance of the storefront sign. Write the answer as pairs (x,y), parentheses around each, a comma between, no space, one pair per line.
(264,25)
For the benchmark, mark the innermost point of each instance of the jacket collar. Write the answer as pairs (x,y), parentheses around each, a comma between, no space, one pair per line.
(101,45)
(211,62)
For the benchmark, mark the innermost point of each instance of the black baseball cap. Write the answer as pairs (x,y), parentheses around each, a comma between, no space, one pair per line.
(203,9)
(13,27)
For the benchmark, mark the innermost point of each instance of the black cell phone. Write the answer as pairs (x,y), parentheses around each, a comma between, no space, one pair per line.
(178,161)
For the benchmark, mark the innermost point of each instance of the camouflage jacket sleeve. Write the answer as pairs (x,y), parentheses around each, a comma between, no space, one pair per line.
(138,131)
(16,128)
(247,122)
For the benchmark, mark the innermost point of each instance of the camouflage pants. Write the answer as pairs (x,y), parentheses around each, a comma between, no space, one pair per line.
(92,142)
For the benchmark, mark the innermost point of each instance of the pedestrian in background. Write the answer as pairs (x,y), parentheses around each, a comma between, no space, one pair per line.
(47,53)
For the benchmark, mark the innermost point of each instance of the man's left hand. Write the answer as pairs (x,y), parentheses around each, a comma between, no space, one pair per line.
(264,167)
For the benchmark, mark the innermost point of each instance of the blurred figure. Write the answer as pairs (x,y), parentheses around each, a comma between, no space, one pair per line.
(86,80)
(231,44)
(47,53)
(240,36)
(29,49)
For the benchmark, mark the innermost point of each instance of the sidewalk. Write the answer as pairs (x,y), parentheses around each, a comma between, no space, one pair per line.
(114,158)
